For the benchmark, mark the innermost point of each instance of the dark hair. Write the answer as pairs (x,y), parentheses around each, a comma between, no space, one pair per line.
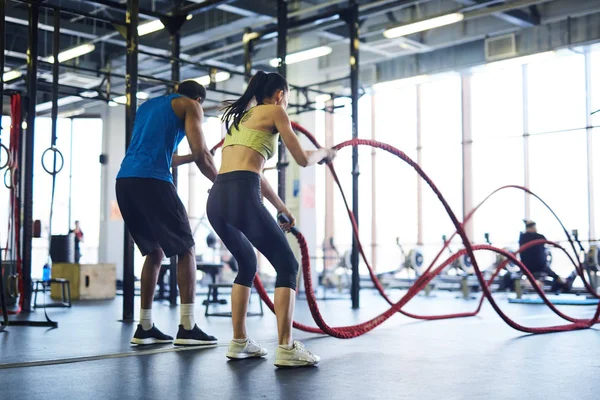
(192,89)
(261,86)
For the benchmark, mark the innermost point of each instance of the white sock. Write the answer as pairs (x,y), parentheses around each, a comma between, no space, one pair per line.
(287,346)
(187,316)
(146,319)
(240,340)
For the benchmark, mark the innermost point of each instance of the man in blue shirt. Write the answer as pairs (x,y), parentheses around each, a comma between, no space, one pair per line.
(151,208)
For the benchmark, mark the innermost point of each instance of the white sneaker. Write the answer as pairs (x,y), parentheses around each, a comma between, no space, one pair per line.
(297,356)
(249,349)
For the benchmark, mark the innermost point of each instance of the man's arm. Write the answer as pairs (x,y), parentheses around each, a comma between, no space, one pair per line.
(193,130)
(181,160)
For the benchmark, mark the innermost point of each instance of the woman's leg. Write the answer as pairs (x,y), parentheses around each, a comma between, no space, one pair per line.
(285,301)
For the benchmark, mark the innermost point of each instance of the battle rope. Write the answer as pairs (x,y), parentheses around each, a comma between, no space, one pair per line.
(423,280)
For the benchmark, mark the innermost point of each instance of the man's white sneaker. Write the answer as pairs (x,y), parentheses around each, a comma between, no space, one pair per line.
(248,349)
(297,356)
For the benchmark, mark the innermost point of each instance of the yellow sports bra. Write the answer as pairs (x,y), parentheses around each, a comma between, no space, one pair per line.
(262,142)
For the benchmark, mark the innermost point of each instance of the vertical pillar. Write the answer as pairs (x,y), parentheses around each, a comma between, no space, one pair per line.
(526,175)
(131,84)
(248,50)
(329,186)
(282,27)
(373,186)
(2,46)
(354,43)
(467,151)
(590,146)
(27,173)
(420,162)
(54,113)
(175,40)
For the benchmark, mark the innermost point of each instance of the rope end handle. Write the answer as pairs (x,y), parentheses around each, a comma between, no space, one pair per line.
(283,219)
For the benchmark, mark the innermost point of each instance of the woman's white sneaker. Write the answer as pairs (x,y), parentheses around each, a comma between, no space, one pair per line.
(297,356)
(247,349)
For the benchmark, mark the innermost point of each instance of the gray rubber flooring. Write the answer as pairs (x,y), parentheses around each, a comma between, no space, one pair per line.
(88,357)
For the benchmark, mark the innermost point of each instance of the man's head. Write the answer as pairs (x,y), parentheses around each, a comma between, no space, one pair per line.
(193,90)
(530,226)
(76,224)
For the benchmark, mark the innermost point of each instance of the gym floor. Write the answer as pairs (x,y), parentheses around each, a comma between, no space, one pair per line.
(88,357)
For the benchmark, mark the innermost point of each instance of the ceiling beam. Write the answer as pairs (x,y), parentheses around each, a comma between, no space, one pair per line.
(520,18)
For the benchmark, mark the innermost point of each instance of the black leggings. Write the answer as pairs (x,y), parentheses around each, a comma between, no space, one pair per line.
(237,214)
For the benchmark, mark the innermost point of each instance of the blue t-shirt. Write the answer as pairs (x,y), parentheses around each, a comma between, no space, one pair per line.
(157,132)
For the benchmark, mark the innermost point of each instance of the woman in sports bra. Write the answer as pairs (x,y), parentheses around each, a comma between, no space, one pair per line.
(237,214)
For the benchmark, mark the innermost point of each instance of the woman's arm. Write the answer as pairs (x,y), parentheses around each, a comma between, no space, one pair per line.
(303,158)
(274,199)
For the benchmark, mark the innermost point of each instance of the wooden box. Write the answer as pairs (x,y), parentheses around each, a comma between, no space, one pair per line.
(87,281)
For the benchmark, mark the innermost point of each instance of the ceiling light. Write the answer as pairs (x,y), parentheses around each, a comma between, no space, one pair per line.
(189,17)
(150,27)
(425,25)
(90,94)
(72,113)
(219,77)
(303,55)
(123,99)
(73,53)
(112,104)
(322,98)
(11,75)
(61,102)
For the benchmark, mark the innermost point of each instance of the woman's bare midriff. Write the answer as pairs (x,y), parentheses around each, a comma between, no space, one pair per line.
(241,158)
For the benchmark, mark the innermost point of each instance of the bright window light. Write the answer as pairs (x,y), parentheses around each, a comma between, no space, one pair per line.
(73,53)
(415,80)
(220,76)
(425,25)
(150,27)
(511,62)
(303,55)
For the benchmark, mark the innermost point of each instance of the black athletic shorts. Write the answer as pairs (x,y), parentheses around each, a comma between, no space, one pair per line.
(154,215)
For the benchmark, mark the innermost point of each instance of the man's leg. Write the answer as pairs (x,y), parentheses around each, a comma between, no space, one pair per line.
(149,279)
(186,280)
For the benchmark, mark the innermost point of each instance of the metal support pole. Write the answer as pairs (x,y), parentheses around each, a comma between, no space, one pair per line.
(282,27)
(27,173)
(131,83)
(526,173)
(590,147)
(467,151)
(248,51)
(175,70)
(354,86)
(2,46)
(373,185)
(420,162)
(55,72)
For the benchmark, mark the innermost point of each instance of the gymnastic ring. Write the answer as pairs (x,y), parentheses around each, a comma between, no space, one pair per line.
(9,183)
(56,152)
(3,147)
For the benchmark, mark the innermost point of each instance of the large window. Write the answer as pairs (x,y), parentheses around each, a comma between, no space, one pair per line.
(497,129)
(396,182)
(556,92)
(441,137)
(77,194)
